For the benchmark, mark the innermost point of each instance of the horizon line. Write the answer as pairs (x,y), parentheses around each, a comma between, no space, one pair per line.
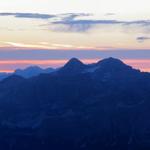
(56,63)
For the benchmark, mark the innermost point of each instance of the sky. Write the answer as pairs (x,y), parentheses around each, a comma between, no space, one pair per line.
(49,32)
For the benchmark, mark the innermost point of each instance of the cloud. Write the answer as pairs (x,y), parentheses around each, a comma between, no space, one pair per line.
(66,17)
(78,22)
(142,38)
(110,14)
(48,46)
(82,23)
(63,45)
(72,16)
(34,46)
(29,15)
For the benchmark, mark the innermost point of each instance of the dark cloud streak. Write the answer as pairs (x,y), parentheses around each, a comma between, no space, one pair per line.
(29,15)
(142,38)
(76,22)
(78,25)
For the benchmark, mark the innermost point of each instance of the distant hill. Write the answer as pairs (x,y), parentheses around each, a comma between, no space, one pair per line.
(27,72)
(32,71)
(100,106)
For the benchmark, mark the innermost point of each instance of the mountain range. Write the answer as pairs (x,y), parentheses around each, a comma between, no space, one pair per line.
(27,72)
(100,106)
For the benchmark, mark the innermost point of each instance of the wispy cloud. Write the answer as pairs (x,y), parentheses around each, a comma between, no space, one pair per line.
(84,25)
(67,16)
(63,45)
(71,16)
(110,14)
(81,25)
(29,15)
(84,22)
(78,22)
(142,38)
(49,46)
(34,46)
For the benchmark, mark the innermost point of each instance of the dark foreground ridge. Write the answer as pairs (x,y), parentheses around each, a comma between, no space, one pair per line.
(101,106)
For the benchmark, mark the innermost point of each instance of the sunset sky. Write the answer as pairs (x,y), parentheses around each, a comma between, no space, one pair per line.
(49,32)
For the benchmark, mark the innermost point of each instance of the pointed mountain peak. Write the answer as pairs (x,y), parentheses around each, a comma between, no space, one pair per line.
(74,61)
(73,66)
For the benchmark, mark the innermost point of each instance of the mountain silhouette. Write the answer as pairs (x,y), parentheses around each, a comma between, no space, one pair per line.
(105,105)
(32,71)
(73,66)
(27,72)
(112,62)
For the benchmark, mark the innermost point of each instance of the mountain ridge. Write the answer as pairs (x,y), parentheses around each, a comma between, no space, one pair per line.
(74,65)
(28,72)
(95,108)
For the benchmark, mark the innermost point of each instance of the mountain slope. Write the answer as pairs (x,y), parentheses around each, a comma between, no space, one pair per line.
(99,106)
(4,75)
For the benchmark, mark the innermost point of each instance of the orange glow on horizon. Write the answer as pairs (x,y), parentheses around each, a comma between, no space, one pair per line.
(142,64)
(6,71)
